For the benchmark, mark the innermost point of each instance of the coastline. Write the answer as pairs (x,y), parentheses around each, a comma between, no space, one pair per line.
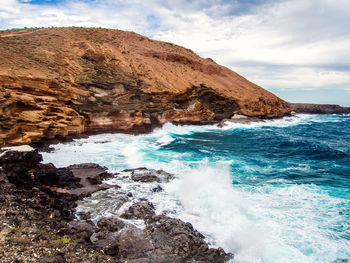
(44,228)
(44,144)
(158,135)
(310,108)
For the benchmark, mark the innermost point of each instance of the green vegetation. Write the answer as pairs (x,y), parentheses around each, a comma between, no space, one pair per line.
(21,66)
(13,230)
(81,78)
(30,56)
(65,240)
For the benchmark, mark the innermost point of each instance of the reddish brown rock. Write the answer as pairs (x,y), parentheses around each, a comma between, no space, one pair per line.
(66,81)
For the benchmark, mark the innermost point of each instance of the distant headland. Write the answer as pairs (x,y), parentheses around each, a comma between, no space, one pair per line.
(319,108)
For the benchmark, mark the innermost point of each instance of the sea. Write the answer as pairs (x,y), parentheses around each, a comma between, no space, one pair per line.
(269,191)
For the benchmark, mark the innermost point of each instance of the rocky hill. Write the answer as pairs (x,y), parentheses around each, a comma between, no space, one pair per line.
(319,108)
(57,82)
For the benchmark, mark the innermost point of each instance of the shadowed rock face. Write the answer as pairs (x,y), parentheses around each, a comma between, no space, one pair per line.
(67,81)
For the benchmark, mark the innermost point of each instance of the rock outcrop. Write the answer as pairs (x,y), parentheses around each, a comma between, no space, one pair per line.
(59,82)
(319,108)
(38,201)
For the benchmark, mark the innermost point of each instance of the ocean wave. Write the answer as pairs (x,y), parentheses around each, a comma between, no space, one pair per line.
(270,191)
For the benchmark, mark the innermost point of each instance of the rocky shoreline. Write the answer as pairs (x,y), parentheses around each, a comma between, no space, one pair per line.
(39,223)
(310,108)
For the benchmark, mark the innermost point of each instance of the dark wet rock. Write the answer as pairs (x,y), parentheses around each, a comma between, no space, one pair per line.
(144,178)
(82,229)
(23,156)
(173,236)
(140,210)
(157,189)
(164,239)
(34,229)
(96,171)
(20,177)
(145,175)
(106,241)
(48,174)
(139,169)
(129,194)
(90,176)
(18,163)
(46,196)
(133,243)
(112,224)
(63,186)
(84,215)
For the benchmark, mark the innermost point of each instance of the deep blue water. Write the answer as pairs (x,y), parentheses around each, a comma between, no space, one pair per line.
(321,150)
(276,191)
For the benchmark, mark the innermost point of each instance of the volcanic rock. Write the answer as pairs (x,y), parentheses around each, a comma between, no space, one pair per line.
(141,210)
(60,82)
(149,175)
(46,208)
(309,108)
(164,239)
(17,163)
(90,177)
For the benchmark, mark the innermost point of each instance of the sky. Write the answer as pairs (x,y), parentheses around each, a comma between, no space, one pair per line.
(297,49)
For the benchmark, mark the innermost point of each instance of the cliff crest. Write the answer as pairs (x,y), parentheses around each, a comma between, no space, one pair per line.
(57,82)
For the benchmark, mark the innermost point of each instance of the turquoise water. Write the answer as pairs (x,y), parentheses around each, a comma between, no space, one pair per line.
(274,191)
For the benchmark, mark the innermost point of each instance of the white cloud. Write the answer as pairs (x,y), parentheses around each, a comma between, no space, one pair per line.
(300,77)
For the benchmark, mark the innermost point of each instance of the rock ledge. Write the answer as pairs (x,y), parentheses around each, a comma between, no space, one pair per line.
(38,225)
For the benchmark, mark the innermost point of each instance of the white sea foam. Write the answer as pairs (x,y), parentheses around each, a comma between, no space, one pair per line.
(258,223)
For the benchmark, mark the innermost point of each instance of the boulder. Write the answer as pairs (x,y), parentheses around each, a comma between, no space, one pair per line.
(111,224)
(141,210)
(145,175)
(18,164)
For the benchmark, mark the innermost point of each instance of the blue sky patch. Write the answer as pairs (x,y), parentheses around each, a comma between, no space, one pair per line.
(41,2)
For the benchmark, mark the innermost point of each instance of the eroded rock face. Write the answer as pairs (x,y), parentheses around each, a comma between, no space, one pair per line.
(97,80)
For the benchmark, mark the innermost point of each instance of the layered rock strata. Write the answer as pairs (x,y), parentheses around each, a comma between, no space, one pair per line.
(66,81)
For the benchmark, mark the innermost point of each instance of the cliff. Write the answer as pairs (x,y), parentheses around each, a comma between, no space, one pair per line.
(57,82)
(319,108)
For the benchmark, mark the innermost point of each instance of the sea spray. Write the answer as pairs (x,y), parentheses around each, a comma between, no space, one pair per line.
(270,191)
